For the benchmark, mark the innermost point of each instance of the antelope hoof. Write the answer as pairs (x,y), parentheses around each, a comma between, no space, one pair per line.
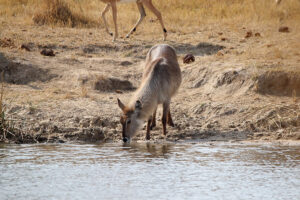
(125,139)
(127,36)
(111,34)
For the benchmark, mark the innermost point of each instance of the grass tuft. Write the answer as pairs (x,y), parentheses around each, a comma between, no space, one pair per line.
(5,128)
(58,12)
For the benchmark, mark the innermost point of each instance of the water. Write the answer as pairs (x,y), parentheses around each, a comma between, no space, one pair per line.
(150,171)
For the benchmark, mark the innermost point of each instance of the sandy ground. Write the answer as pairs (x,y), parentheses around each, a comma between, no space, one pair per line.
(238,88)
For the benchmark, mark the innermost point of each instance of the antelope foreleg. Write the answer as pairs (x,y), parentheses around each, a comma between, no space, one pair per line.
(148,130)
(153,122)
(169,119)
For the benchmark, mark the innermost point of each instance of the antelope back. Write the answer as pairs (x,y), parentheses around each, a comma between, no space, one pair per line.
(163,70)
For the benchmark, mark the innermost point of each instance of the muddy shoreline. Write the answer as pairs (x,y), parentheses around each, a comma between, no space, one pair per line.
(230,93)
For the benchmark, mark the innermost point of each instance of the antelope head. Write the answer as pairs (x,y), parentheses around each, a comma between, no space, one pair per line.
(130,120)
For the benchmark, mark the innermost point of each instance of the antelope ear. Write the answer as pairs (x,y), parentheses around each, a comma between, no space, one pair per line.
(121,105)
(138,105)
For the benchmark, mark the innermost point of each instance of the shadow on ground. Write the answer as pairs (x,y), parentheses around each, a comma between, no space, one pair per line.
(22,74)
(200,49)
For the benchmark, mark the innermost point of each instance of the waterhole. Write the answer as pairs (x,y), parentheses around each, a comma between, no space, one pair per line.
(150,171)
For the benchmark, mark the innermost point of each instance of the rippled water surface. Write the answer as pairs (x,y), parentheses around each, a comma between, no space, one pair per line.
(150,171)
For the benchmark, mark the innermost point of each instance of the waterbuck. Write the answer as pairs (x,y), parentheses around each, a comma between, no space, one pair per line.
(161,80)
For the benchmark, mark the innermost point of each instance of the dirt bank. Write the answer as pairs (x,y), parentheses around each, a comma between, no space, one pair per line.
(237,89)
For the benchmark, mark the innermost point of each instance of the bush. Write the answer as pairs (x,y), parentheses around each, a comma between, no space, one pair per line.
(58,12)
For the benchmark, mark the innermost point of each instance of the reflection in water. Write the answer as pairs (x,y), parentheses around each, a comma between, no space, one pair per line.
(149,171)
(148,150)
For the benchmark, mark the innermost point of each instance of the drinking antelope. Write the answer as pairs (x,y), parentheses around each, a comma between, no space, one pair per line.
(161,80)
(140,4)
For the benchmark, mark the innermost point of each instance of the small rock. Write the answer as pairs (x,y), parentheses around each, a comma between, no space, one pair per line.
(119,91)
(231,126)
(125,63)
(223,39)
(249,34)
(77,119)
(220,33)
(257,35)
(284,29)
(41,139)
(188,58)
(209,126)
(47,52)
(24,46)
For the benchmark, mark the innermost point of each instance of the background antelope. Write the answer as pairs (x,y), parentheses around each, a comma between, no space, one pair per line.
(161,80)
(140,3)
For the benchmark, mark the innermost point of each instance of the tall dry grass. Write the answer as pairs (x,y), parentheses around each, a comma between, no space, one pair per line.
(5,128)
(176,13)
(58,12)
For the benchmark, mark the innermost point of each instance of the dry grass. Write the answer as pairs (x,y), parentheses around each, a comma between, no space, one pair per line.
(177,13)
(58,12)
(6,129)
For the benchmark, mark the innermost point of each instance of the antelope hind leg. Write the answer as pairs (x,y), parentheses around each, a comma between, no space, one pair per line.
(142,16)
(151,7)
(114,12)
(166,108)
(106,9)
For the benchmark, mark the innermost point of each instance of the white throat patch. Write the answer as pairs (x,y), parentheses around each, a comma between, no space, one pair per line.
(140,123)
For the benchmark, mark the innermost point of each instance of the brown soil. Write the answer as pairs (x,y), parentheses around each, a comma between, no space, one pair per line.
(236,89)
